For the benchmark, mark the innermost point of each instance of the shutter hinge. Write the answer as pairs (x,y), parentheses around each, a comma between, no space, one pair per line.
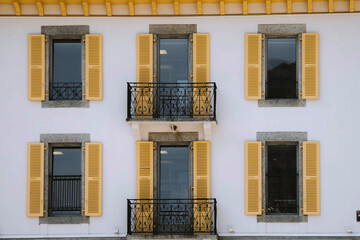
(44,211)
(192,188)
(45,149)
(83,211)
(300,39)
(154,39)
(262,147)
(301,147)
(191,76)
(191,40)
(84,148)
(46,40)
(192,148)
(84,40)
(301,211)
(84,94)
(46,95)
(154,76)
(154,148)
(263,39)
(262,211)
(262,94)
(300,94)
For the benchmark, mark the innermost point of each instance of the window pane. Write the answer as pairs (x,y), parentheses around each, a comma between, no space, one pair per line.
(66,161)
(281,68)
(174,60)
(282,179)
(174,172)
(66,81)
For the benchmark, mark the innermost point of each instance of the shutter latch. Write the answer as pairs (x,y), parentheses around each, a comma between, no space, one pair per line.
(301,147)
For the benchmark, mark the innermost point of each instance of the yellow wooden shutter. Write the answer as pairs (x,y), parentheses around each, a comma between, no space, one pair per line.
(201,164)
(144,185)
(36,67)
(310,66)
(93,179)
(144,75)
(253,50)
(35,180)
(253,189)
(94,67)
(201,75)
(311,178)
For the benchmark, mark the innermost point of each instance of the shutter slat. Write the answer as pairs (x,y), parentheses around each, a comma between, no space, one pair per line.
(201,74)
(311,178)
(201,165)
(253,195)
(36,67)
(144,185)
(35,180)
(93,179)
(253,50)
(144,74)
(93,66)
(310,66)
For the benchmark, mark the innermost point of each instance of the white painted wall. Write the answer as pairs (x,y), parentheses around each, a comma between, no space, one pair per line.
(333,120)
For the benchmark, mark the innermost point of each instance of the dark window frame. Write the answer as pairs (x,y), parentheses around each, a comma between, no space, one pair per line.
(288,36)
(66,39)
(51,148)
(267,144)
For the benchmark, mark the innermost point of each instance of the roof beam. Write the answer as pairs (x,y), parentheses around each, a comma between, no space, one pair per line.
(40,7)
(222,7)
(131,8)
(17,7)
(245,7)
(108,8)
(352,8)
(63,7)
(86,7)
(199,7)
(310,5)
(176,7)
(154,7)
(331,6)
(268,7)
(289,10)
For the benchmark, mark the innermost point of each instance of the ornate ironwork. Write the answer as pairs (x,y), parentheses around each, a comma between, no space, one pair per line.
(172,101)
(66,91)
(65,193)
(172,216)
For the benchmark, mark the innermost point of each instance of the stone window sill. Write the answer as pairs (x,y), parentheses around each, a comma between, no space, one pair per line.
(65,104)
(282,103)
(64,220)
(282,218)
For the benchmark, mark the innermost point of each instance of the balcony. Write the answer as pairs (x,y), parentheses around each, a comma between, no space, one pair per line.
(171,101)
(172,216)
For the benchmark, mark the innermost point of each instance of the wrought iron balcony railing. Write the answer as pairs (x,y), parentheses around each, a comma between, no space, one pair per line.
(65,193)
(66,91)
(172,216)
(174,101)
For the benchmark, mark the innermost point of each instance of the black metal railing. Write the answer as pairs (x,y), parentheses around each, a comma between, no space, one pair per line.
(66,91)
(171,101)
(172,216)
(65,193)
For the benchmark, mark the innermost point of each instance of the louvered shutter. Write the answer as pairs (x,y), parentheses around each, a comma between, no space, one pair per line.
(310,66)
(144,185)
(201,164)
(253,51)
(201,75)
(144,75)
(311,178)
(35,179)
(94,67)
(253,189)
(93,179)
(36,67)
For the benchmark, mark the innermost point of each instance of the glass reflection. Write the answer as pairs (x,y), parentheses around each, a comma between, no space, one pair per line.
(281,68)
(66,161)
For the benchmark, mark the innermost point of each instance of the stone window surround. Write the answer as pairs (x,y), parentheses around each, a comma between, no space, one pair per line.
(66,140)
(63,32)
(282,30)
(285,137)
(172,31)
(170,139)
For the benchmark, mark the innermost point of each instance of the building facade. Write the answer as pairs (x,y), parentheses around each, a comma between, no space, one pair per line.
(230,120)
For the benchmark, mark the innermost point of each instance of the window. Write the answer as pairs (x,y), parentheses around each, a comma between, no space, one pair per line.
(281,82)
(279,187)
(66,80)
(62,61)
(65,181)
(281,179)
(282,65)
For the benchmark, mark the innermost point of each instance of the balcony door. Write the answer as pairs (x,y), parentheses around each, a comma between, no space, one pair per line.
(174,184)
(174,92)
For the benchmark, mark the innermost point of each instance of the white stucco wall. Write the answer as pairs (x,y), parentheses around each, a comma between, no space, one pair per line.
(333,120)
